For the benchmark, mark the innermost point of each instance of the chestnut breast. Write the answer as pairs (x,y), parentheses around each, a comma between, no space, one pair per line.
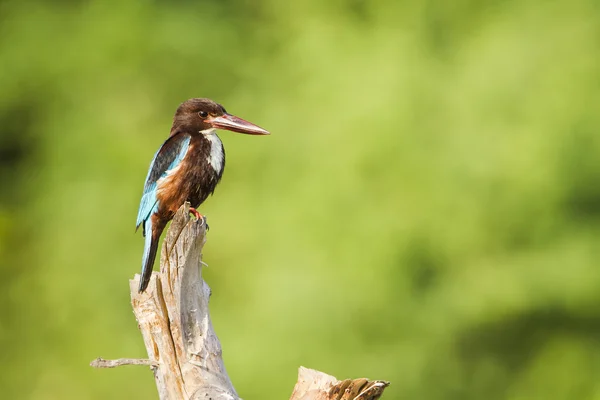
(196,177)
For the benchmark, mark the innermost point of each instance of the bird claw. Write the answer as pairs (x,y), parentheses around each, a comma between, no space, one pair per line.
(199,216)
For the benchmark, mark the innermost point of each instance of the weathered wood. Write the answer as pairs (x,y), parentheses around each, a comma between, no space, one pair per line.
(174,319)
(102,363)
(183,349)
(315,385)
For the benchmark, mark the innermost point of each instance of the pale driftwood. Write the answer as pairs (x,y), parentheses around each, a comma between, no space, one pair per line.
(184,351)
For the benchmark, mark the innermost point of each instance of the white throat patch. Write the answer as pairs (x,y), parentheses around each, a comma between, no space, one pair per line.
(215,157)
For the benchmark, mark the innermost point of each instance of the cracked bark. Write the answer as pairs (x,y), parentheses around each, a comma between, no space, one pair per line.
(183,349)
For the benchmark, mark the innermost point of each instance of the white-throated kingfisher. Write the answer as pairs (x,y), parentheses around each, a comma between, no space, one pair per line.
(187,167)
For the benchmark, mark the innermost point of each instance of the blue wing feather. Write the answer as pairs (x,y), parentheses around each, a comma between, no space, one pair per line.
(170,154)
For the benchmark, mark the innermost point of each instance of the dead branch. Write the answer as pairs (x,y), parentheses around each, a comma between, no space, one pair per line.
(184,351)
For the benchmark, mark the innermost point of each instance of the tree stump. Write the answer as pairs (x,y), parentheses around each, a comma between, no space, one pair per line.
(183,349)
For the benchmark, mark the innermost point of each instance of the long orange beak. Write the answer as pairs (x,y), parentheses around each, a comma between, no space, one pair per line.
(235,124)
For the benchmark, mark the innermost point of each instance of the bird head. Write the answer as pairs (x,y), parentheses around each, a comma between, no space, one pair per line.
(204,115)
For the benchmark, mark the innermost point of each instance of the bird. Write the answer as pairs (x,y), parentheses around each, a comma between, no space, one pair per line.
(186,168)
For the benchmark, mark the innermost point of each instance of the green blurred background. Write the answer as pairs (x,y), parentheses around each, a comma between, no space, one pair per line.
(426,210)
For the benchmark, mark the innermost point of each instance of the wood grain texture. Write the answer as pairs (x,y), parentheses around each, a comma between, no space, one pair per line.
(173,317)
(183,350)
(315,385)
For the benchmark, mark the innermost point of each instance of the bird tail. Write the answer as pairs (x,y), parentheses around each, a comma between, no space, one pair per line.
(152,230)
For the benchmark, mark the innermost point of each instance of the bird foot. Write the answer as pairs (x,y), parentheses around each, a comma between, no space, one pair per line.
(199,216)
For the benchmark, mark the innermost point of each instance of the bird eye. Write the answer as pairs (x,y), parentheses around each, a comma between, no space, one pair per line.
(203,114)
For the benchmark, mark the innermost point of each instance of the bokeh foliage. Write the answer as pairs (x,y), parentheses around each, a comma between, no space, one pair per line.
(426,211)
